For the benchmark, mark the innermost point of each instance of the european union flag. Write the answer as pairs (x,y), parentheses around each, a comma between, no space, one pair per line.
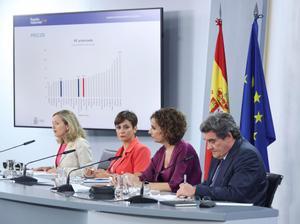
(256,118)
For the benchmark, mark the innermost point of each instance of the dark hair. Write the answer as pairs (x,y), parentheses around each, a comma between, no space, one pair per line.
(126,115)
(172,123)
(221,124)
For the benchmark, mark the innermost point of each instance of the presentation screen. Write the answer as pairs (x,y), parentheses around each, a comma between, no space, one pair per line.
(95,64)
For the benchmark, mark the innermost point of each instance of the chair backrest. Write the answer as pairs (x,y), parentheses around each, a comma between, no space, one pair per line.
(274,181)
(107,153)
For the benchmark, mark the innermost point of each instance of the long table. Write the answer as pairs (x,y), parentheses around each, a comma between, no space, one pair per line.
(37,204)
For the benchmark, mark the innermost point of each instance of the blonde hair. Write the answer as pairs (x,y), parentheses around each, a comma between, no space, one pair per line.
(75,130)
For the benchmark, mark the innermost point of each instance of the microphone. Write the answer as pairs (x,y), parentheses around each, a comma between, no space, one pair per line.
(140,198)
(25,143)
(68,187)
(27,180)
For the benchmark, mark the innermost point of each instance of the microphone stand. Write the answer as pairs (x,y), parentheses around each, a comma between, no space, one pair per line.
(25,143)
(68,187)
(141,199)
(28,180)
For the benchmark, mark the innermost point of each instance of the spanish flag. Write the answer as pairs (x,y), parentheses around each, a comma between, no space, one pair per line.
(219,98)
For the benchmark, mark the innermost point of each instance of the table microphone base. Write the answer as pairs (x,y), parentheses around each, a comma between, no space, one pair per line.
(26,180)
(64,188)
(141,199)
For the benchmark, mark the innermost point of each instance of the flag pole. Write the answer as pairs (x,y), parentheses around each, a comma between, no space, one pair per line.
(256,12)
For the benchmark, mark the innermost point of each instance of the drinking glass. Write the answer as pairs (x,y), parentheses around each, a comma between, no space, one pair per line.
(60,177)
(19,166)
(4,174)
(126,185)
(119,188)
(10,164)
(4,165)
(9,171)
(146,189)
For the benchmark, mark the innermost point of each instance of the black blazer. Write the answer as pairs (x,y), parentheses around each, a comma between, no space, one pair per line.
(241,178)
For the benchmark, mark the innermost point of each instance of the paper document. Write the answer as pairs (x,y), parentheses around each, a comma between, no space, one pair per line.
(44,175)
(226,203)
(97,180)
(78,188)
(168,197)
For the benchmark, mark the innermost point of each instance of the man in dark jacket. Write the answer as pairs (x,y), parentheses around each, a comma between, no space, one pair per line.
(237,172)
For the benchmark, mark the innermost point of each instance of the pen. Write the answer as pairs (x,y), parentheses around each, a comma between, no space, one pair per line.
(184,178)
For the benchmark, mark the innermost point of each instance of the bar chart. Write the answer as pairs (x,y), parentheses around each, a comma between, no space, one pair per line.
(86,91)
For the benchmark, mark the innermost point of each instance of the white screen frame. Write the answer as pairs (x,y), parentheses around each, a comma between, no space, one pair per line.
(55,66)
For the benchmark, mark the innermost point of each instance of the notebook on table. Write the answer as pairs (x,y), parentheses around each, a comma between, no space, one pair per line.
(179,203)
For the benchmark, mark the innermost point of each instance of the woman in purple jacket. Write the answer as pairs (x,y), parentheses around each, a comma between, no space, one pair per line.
(176,161)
